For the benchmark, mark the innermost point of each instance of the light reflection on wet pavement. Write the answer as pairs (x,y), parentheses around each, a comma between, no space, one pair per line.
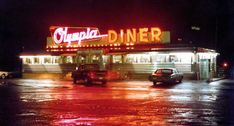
(50,102)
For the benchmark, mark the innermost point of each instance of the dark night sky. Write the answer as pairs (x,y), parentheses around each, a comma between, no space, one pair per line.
(25,23)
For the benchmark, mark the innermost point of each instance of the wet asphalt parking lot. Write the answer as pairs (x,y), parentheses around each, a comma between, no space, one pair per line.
(28,102)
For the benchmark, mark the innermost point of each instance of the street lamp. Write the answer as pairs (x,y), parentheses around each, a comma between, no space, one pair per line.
(195,28)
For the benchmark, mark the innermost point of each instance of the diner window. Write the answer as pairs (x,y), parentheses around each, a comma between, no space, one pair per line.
(173,58)
(160,58)
(131,59)
(36,60)
(144,59)
(47,60)
(68,59)
(138,58)
(181,58)
(105,59)
(56,59)
(82,59)
(117,59)
(28,61)
(95,59)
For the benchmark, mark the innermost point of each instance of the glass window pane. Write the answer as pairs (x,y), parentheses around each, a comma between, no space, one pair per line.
(117,59)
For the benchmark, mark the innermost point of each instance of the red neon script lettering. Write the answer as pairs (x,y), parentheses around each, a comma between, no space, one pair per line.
(62,35)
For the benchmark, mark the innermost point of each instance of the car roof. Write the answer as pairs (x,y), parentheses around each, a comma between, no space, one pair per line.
(88,64)
(166,68)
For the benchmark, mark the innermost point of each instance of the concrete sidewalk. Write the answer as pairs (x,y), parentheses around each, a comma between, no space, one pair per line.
(215,79)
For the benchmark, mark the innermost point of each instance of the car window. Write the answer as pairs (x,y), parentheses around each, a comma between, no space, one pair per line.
(163,71)
(159,71)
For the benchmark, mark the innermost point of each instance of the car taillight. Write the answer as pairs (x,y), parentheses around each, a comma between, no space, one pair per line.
(92,74)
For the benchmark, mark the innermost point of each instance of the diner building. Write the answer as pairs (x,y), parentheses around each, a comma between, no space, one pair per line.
(133,52)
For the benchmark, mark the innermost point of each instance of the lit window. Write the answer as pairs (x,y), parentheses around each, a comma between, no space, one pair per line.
(82,59)
(95,59)
(36,60)
(105,59)
(173,58)
(117,59)
(69,59)
(28,61)
(159,58)
(47,60)
(56,59)
(138,58)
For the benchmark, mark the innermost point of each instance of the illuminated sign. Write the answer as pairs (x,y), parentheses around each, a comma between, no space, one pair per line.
(68,35)
(130,35)
(91,37)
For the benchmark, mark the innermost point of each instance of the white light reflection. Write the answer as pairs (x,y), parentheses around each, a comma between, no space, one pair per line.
(37,83)
(180,98)
(75,121)
(38,87)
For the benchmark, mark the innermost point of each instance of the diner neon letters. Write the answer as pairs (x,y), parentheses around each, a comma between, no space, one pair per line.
(130,35)
(79,34)
(61,34)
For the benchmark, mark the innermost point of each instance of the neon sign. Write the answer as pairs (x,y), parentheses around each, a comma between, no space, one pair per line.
(130,35)
(74,36)
(69,35)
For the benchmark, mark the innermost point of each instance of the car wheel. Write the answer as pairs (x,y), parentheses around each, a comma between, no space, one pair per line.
(3,76)
(103,82)
(180,80)
(87,81)
(74,80)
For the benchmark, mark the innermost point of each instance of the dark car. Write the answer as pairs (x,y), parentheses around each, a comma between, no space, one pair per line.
(166,75)
(89,73)
(12,74)
(4,74)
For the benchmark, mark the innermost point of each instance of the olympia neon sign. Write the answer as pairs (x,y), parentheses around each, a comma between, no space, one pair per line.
(62,34)
(82,34)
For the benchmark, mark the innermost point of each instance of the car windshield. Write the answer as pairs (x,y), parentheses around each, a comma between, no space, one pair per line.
(164,71)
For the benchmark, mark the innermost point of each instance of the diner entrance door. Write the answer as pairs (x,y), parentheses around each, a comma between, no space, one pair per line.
(204,69)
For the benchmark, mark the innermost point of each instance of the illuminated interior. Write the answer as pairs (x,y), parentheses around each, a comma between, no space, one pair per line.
(40,59)
(137,58)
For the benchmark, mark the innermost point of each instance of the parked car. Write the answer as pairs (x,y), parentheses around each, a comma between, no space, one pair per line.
(89,73)
(4,74)
(166,75)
